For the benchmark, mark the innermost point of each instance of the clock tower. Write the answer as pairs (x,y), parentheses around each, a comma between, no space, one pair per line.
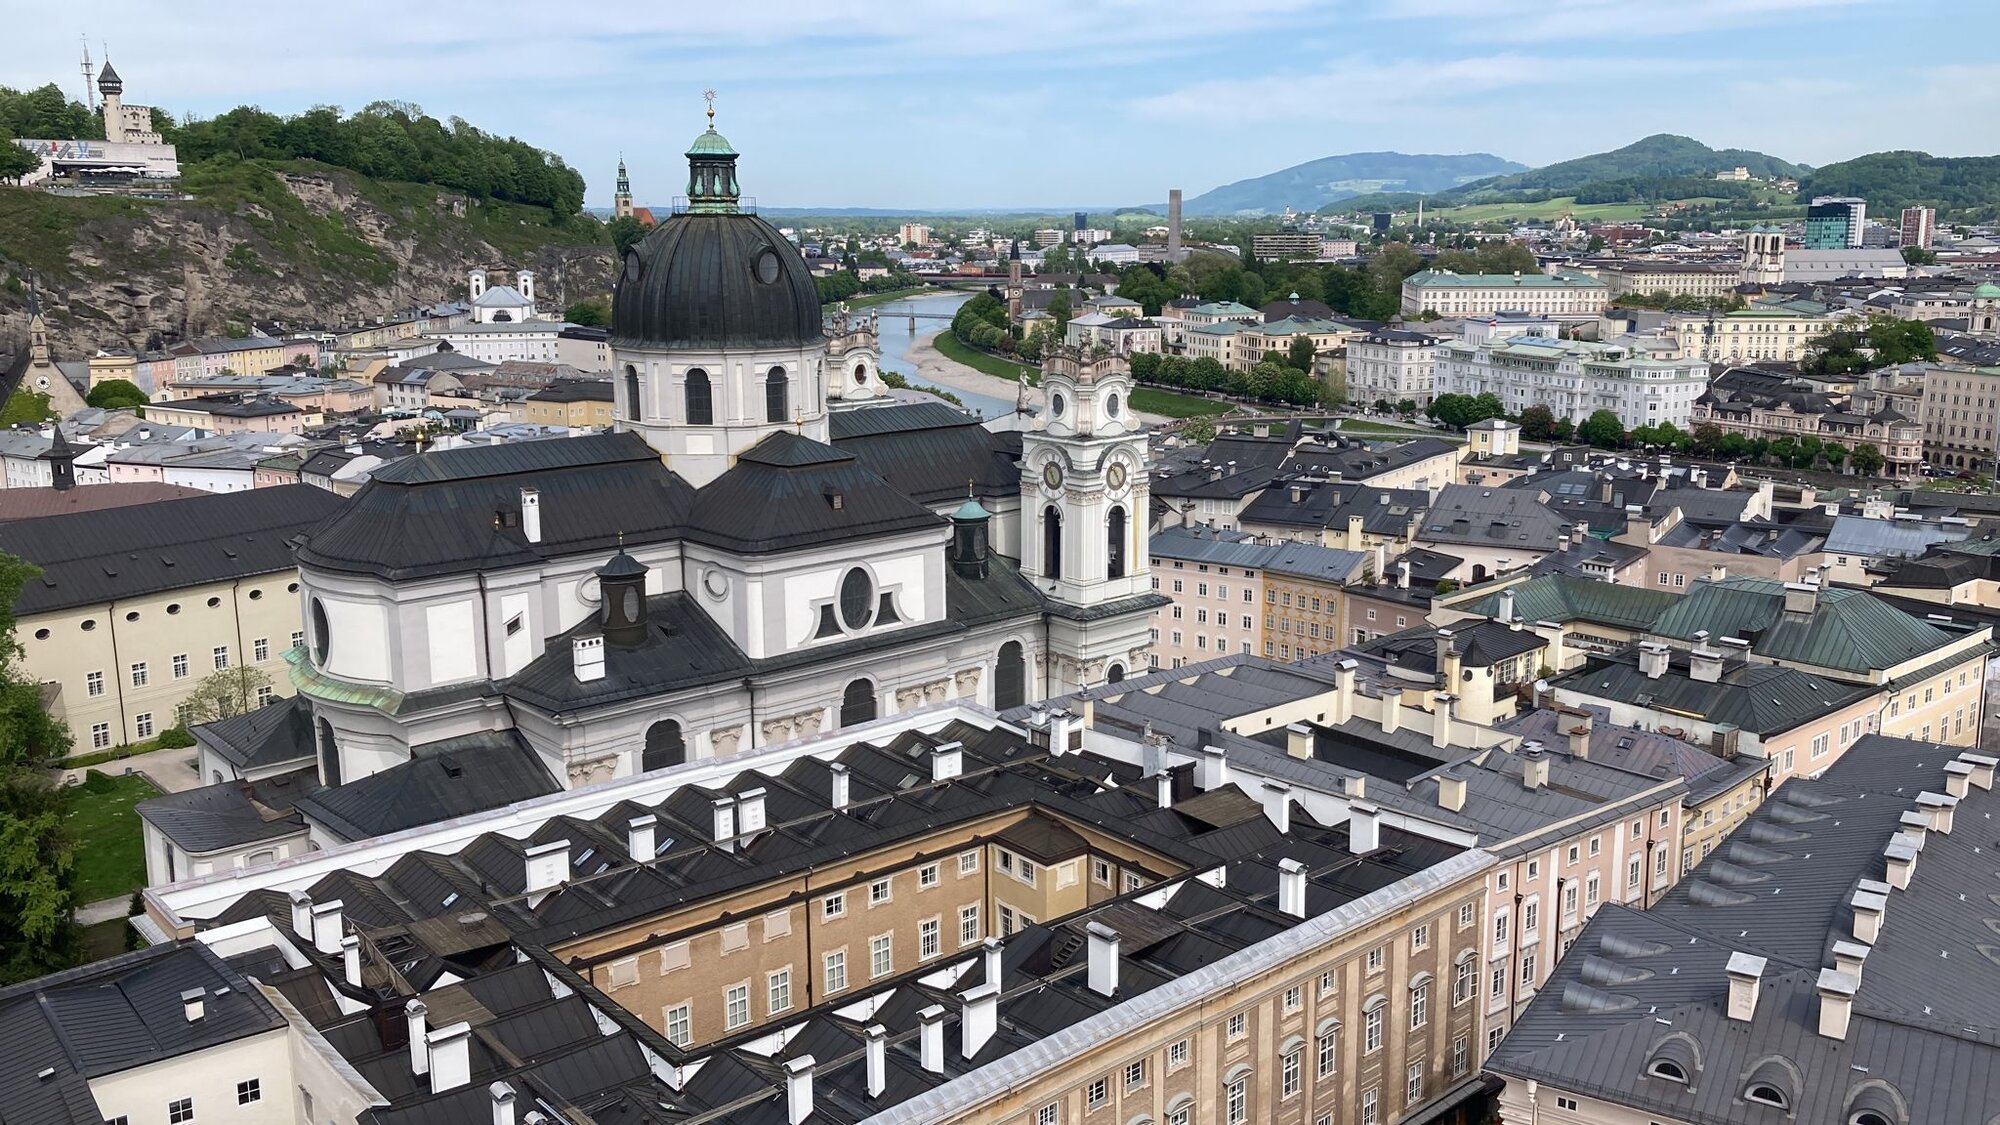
(1084,511)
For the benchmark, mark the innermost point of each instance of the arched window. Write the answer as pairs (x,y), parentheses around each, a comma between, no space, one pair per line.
(664,746)
(700,400)
(1051,542)
(329,756)
(1010,677)
(857,703)
(860,374)
(1114,673)
(1767,1094)
(1869,1117)
(1667,1069)
(631,392)
(1114,544)
(775,387)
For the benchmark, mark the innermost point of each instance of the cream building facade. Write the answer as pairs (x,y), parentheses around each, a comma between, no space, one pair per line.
(1563,296)
(1744,335)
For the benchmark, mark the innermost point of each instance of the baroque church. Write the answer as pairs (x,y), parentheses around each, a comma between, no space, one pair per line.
(767,546)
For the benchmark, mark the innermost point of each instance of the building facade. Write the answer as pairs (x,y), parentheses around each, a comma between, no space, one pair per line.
(1563,296)
(1745,335)
(1391,365)
(1574,378)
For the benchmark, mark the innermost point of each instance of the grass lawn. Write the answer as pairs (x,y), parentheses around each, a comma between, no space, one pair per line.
(1147,400)
(1391,429)
(110,851)
(105,939)
(951,348)
(864,300)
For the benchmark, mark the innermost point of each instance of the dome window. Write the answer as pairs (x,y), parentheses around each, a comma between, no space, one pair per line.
(857,599)
(766,267)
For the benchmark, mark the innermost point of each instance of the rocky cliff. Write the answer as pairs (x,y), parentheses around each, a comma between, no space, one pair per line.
(300,244)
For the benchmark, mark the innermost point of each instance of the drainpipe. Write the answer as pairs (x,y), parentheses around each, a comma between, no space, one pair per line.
(1513,961)
(118,674)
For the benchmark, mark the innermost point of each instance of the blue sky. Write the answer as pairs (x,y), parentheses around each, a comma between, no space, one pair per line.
(1062,103)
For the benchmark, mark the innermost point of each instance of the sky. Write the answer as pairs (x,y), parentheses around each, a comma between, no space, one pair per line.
(1062,104)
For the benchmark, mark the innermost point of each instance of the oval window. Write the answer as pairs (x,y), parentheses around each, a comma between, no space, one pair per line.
(766,266)
(1056,405)
(321,634)
(857,599)
(173,607)
(89,624)
(41,634)
(213,602)
(132,616)
(632,266)
(256,595)
(631,604)
(1111,406)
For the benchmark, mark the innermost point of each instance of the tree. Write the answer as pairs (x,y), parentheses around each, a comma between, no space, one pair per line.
(1707,438)
(1537,423)
(25,407)
(1918,256)
(116,394)
(15,161)
(1407,407)
(1059,309)
(1300,354)
(591,312)
(625,232)
(37,863)
(1602,429)
(1200,431)
(1868,460)
(226,693)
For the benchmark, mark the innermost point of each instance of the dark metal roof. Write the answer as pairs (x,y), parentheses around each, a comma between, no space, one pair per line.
(694,283)
(232,814)
(443,780)
(90,557)
(928,451)
(271,735)
(789,491)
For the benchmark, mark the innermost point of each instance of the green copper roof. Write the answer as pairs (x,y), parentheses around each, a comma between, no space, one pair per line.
(311,682)
(711,143)
(1564,599)
(971,510)
(1986,289)
(1847,629)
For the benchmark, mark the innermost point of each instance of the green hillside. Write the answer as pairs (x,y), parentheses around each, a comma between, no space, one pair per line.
(1661,155)
(1966,186)
(1319,182)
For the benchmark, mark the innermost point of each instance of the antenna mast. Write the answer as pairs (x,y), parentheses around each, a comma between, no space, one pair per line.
(89,75)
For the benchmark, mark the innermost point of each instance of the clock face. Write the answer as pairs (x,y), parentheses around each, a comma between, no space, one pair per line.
(1052,475)
(1115,476)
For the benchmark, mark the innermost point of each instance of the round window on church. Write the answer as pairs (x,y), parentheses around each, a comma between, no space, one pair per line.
(766,266)
(1111,406)
(857,599)
(1056,405)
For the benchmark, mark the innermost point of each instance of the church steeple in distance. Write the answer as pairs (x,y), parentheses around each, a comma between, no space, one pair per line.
(712,186)
(621,201)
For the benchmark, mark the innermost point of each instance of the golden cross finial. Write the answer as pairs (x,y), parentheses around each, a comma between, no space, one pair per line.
(709,97)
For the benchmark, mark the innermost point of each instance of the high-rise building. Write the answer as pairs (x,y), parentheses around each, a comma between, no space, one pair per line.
(916,233)
(1383,219)
(1919,224)
(1081,219)
(1835,222)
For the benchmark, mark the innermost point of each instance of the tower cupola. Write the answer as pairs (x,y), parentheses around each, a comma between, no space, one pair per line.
(622,591)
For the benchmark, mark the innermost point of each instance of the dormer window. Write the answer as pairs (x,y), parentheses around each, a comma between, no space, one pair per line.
(1669,1070)
(1766,1094)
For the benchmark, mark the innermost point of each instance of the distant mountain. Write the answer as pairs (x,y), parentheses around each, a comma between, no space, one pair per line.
(1967,186)
(1661,155)
(1312,185)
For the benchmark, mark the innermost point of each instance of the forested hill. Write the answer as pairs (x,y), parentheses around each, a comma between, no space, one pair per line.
(1966,186)
(1660,155)
(1316,183)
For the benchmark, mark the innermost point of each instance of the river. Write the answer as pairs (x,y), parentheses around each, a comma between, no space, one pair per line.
(897,338)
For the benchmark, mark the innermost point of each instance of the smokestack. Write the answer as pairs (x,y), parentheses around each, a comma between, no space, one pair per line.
(979,1018)
(1868,907)
(930,1038)
(1836,1002)
(326,927)
(1343,690)
(194,1004)
(1441,720)
(1451,792)
(723,823)
(1849,957)
(1746,974)
(1292,888)
(639,838)
(1653,659)
(1173,224)
(350,960)
(1299,740)
(451,1057)
(838,774)
(545,866)
(798,1089)
(531,514)
(750,811)
(302,915)
(1957,778)
(947,761)
(1278,804)
(1103,958)
(587,659)
(1506,606)
(1214,768)
(1392,708)
(878,1059)
(420,1055)
(1901,856)
(1164,782)
(1938,806)
(1983,766)
(1364,828)
(989,957)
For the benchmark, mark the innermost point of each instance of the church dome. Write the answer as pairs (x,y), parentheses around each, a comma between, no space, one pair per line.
(1986,289)
(714,277)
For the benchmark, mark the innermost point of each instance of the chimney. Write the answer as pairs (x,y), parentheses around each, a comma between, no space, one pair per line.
(1292,888)
(503,1103)
(420,1055)
(1718,572)
(1868,907)
(1534,766)
(989,959)
(1343,690)
(587,658)
(1103,958)
(1164,782)
(1278,804)
(639,838)
(1916,824)
(1354,785)
(798,1089)
(1901,857)
(1392,709)
(750,811)
(1836,1002)
(837,774)
(1299,740)
(1451,792)
(1214,767)
(1983,766)
(350,960)
(1848,958)
(947,761)
(1063,733)
(194,1004)
(1402,574)
(1938,806)
(1579,740)
(1957,778)
(546,866)
(1364,827)
(723,823)
(878,1059)
(327,927)
(1506,606)
(302,916)
(531,514)
(451,1057)
(1801,597)
(979,1018)
(1746,974)
(1441,706)
(1653,659)
(1704,663)
(930,1038)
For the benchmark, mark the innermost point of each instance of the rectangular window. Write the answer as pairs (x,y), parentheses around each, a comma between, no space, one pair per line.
(1177,1053)
(736,1005)
(1329,1052)
(100,736)
(264,694)
(1294,998)
(1369,1113)
(1288,1073)
(927,876)
(221,654)
(1462,983)
(260,649)
(1135,1074)
(1528,969)
(968,924)
(680,1024)
(93,683)
(780,990)
(1238,1024)
(927,938)
(298,638)
(1413,1090)
(968,862)
(836,970)
(1420,939)
(1238,1102)
(1420,1004)
(139,674)
(180,1110)
(180,665)
(1371,1030)
(878,892)
(142,724)
(1050,1114)
(1460,1057)
(249,1090)
(1465,916)
(1590,890)
(1375,959)
(833,906)
(881,958)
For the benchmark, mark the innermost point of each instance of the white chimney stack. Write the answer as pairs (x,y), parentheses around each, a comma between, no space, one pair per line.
(640,833)
(979,1018)
(1292,888)
(1836,1002)
(947,761)
(531,514)
(1343,691)
(1299,740)
(302,915)
(194,1004)
(1063,726)
(1364,828)
(1103,959)
(1653,658)
(1451,792)
(1938,807)
(878,1059)
(723,824)
(1983,766)
(750,811)
(1278,804)
(545,866)
(1901,857)
(1868,907)
(587,659)
(350,960)
(1163,783)
(989,952)
(798,1089)
(503,1103)
(1534,766)
(1849,957)
(1441,707)
(1214,766)
(326,927)
(837,774)
(1392,708)
(930,1038)
(1957,778)
(420,1055)
(451,1057)
(1746,976)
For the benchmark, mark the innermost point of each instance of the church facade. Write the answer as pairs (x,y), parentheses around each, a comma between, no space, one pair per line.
(766,548)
